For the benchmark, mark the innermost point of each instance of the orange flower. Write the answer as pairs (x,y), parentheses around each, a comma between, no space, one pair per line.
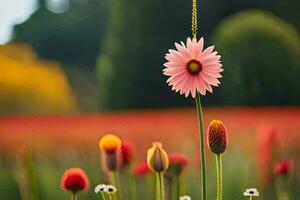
(109,143)
(157,158)
(74,180)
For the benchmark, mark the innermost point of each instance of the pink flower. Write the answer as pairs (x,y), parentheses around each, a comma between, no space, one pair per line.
(192,69)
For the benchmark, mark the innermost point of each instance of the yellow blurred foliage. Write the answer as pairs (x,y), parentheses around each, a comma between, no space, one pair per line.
(30,85)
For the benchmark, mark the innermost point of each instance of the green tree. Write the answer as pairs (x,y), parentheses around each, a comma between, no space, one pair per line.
(260,53)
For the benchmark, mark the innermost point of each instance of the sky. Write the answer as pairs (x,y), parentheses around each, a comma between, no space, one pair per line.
(14,12)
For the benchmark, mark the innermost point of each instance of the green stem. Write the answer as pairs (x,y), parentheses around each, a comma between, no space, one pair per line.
(103,196)
(202,150)
(133,189)
(74,196)
(251,197)
(219,176)
(116,183)
(160,188)
(177,186)
(110,197)
(157,184)
(162,185)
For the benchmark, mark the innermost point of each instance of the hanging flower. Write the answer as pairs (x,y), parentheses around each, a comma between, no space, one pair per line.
(192,69)
(251,192)
(74,180)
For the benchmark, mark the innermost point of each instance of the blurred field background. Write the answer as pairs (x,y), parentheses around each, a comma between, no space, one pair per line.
(74,70)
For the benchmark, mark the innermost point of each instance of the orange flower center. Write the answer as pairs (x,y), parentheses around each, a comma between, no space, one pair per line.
(194,67)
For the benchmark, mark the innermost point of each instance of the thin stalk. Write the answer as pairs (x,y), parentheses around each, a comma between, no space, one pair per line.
(162,185)
(251,197)
(74,196)
(219,176)
(110,197)
(202,150)
(157,184)
(116,183)
(103,196)
(177,186)
(133,189)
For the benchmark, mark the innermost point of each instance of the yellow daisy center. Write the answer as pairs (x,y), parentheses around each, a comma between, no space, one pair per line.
(194,67)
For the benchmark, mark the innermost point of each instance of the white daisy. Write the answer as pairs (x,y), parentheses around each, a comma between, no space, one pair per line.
(185,197)
(110,189)
(100,188)
(251,192)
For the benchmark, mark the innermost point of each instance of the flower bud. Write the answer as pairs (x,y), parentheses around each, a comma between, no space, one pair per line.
(177,162)
(283,167)
(141,169)
(157,158)
(127,153)
(217,137)
(109,145)
(74,180)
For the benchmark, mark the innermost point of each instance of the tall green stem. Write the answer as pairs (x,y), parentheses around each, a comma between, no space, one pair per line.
(160,188)
(219,176)
(116,183)
(251,197)
(202,150)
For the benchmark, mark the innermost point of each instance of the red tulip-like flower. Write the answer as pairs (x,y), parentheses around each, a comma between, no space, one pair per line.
(74,180)
(283,167)
(141,169)
(127,153)
(177,162)
(178,159)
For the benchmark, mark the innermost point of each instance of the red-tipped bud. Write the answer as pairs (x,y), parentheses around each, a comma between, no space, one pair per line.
(217,137)
(127,153)
(74,180)
(141,169)
(177,162)
(283,167)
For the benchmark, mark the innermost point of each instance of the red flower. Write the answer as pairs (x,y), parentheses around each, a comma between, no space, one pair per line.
(178,159)
(283,167)
(267,146)
(141,169)
(177,162)
(74,180)
(127,153)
